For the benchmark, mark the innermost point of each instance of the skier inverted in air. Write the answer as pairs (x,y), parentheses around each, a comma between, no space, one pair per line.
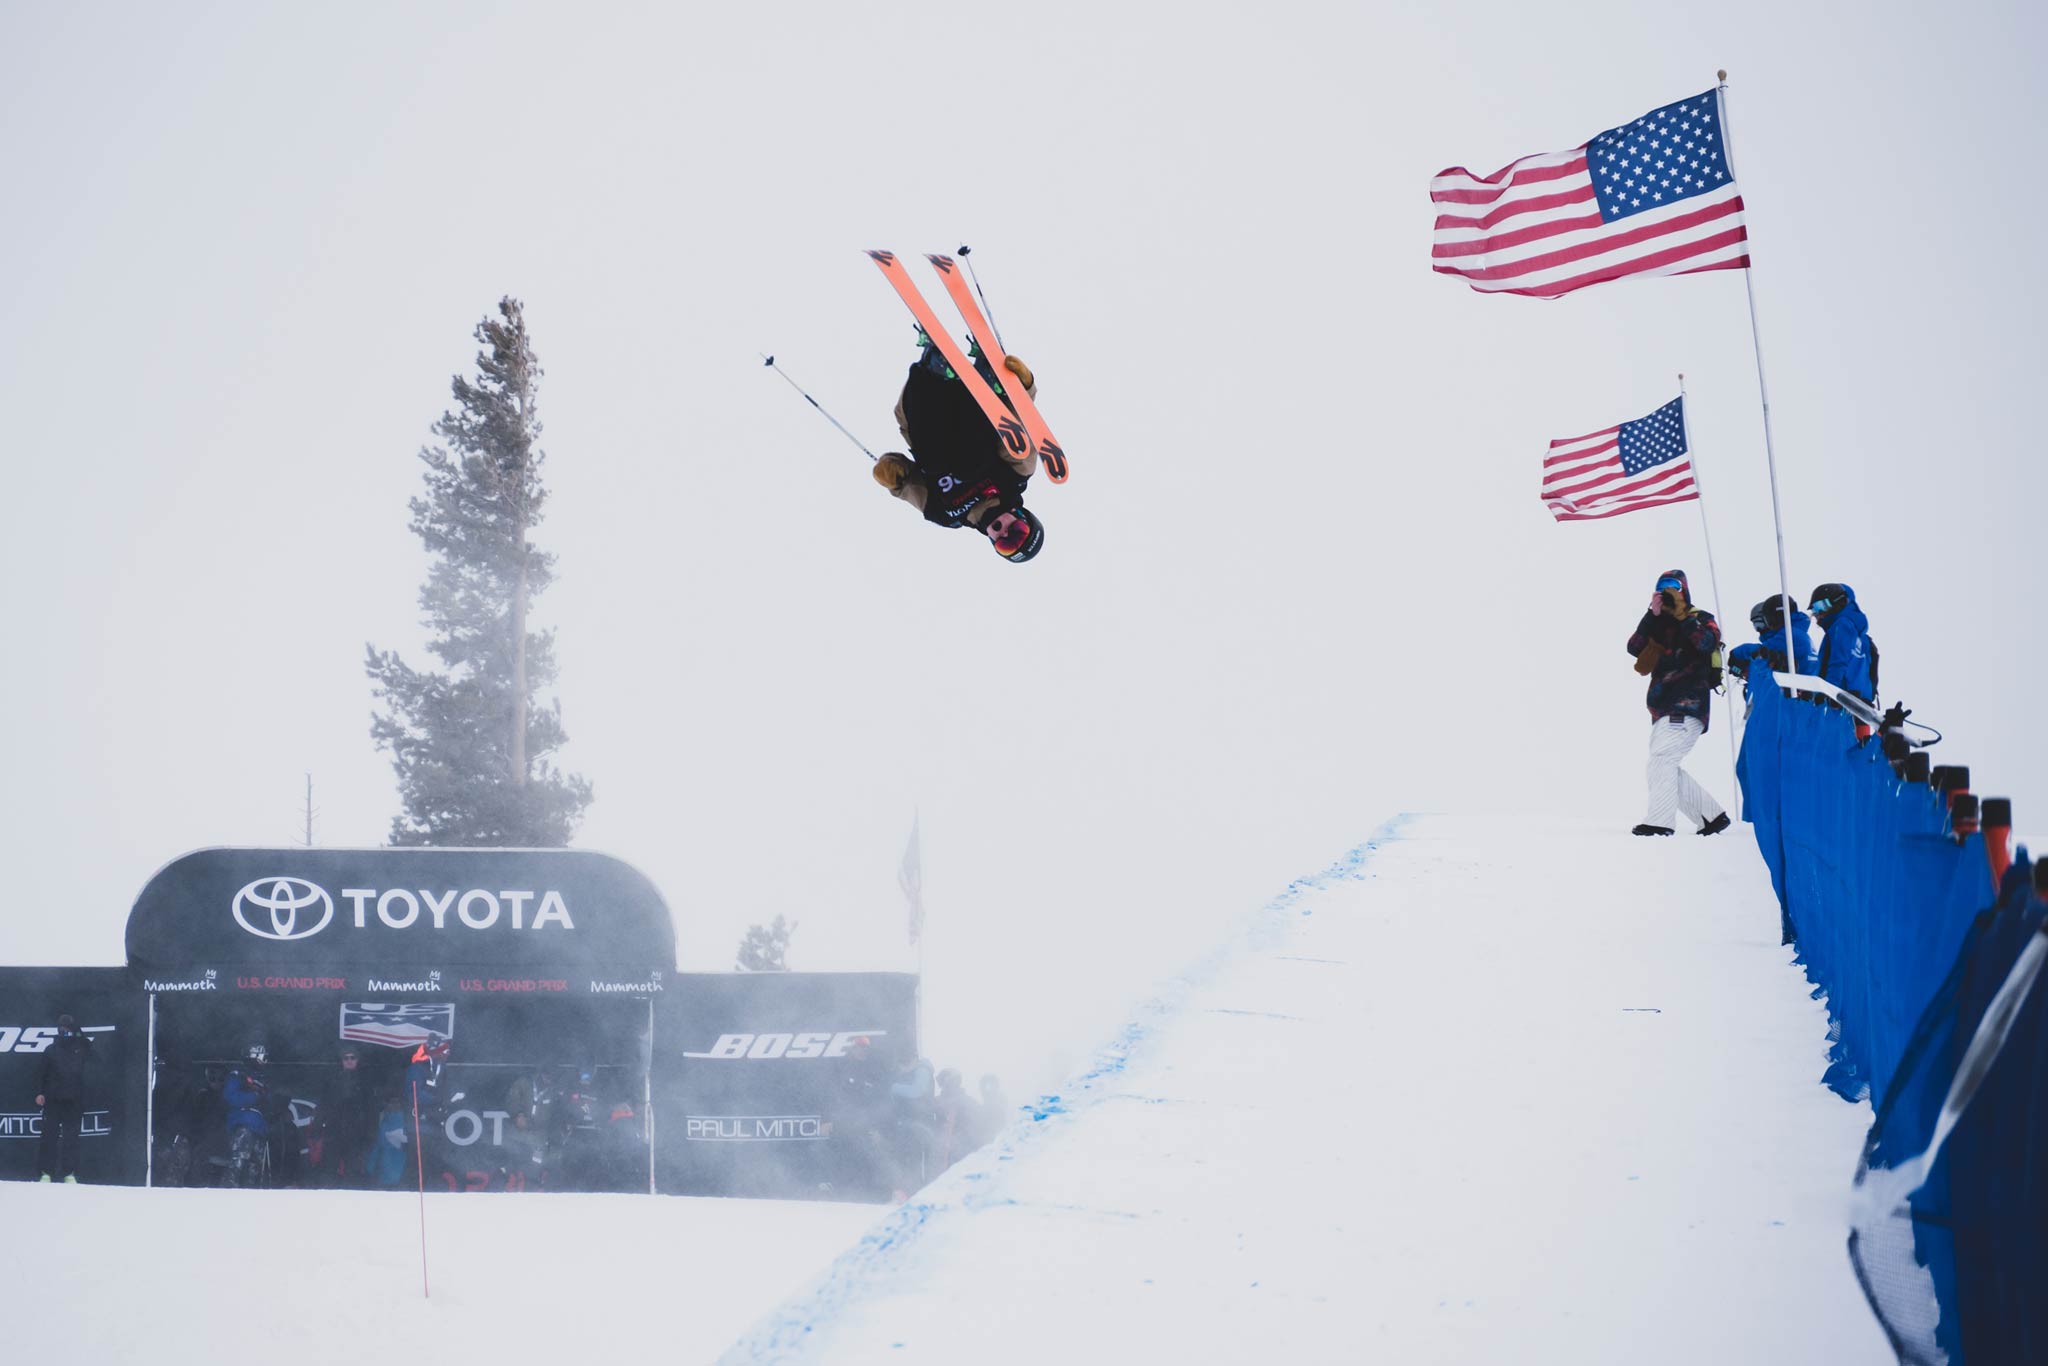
(971,422)
(974,441)
(958,472)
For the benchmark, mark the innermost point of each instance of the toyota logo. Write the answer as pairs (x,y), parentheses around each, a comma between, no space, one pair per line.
(283,898)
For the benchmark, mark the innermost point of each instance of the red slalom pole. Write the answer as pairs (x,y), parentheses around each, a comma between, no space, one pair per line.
(420,1161)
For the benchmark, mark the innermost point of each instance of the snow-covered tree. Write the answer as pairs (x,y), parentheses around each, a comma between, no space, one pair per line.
(766,947)
(471,741)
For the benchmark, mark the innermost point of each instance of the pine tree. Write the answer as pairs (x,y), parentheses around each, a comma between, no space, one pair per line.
(471,742)
(766,947)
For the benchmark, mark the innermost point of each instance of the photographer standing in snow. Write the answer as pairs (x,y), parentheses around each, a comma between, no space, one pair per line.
(1679,648)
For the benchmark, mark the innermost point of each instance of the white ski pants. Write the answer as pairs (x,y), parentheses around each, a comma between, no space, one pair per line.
(1672,789)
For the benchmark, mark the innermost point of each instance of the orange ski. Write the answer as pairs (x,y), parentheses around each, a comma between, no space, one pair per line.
(1016,439)
(1049,453)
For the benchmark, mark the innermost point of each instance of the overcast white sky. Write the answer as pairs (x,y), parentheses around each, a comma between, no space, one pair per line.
(1299,579)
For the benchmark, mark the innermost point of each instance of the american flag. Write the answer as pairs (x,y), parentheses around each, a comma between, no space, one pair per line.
(1653,197)
(405,1024)
(1640,464)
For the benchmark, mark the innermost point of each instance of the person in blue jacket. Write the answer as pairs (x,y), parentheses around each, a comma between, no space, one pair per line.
(246,1092)
(1848,656)
(388,1161)
(1768,617)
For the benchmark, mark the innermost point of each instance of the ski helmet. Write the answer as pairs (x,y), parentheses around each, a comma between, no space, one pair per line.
(1828,599)
(1018,539)
(1768,615)
(258,1052)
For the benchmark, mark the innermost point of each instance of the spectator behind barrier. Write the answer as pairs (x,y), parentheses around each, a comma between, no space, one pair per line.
(958,1120)
(1768,618)
(61,1097)
(1848,656)
(347,1121)
(246,1093)
(387,1155)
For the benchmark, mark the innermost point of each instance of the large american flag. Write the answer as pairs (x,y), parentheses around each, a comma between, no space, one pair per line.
(1653,197)
(1640,464)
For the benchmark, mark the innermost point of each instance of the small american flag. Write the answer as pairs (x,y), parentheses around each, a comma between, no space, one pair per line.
(1640,464)
(404,1024)
(1653,197)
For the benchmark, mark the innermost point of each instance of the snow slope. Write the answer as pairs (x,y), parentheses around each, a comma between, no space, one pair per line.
(1480,1091)
(1506,1091)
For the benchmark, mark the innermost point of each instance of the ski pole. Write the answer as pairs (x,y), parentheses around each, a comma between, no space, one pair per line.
(420,1157)
(769,361)
(965,253)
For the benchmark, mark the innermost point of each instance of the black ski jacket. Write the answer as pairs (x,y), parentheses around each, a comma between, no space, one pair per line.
(63,1076)
(958,455)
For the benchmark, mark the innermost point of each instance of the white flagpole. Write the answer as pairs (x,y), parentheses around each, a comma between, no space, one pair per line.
(1756,347)
(1713,576)
(910,877)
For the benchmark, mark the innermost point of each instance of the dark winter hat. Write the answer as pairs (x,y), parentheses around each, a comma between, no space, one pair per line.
(66,1022)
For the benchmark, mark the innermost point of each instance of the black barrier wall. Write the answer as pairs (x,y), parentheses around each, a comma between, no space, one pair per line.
(112,1137)
(526,999)
(761,1088)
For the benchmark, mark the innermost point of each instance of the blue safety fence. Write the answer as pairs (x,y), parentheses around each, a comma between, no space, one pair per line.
(1876,894)
(1950,1232)
(1938,1012)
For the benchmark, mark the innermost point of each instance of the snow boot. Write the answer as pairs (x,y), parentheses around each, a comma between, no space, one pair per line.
(70,1180)
(1716,825)
(1647,829)
(43,1178)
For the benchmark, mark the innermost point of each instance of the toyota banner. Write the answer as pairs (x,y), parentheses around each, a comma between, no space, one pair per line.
(483,1020)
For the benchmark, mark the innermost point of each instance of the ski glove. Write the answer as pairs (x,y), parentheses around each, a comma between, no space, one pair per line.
(1021,371)
(892,470)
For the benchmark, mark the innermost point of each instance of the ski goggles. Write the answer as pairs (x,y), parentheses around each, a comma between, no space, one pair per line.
(1821,605)
(1670,585)
(1009,532)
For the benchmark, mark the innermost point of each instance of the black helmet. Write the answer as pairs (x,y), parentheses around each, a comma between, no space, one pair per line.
(1768,615)
(1828,599)
(1020,538)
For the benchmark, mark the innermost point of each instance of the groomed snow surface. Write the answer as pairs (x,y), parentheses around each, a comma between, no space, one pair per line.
(1480,1091)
